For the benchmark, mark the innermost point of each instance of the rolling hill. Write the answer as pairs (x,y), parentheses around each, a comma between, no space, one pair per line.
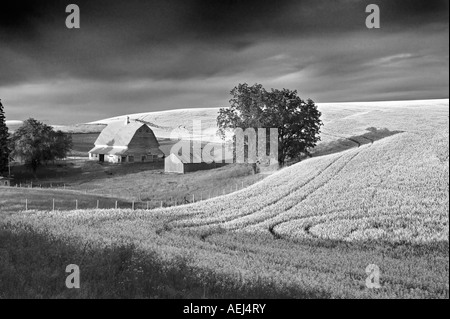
(312,229)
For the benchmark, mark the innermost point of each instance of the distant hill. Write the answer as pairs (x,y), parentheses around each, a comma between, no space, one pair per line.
(332,113)
(13,125)
(166,122)
(74,129)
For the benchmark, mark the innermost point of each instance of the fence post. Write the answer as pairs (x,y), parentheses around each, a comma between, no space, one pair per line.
(98,203)
(193,198)
(116,205)
(132,206)
(53,204)
(26,204)
(76,204)
(161,204)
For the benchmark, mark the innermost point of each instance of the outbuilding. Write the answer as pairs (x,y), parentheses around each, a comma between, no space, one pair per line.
(5,181)
(187,162)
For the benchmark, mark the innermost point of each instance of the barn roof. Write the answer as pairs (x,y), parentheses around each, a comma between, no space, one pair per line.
(118,133)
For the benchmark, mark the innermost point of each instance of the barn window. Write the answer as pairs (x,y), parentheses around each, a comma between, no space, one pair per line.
(131,159)
(144,158)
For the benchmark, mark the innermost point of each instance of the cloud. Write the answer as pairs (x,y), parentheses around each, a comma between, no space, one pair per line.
(160,54)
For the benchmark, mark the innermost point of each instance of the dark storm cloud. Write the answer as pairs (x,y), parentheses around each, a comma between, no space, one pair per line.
(160,54)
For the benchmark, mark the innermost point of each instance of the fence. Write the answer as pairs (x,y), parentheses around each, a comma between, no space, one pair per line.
(103,202)
(63,186)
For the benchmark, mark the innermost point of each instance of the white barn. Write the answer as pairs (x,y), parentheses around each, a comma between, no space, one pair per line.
(126,142)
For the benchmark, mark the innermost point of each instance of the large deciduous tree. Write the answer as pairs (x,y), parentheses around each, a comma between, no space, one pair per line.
(4,136)
(36,143)
(298,121)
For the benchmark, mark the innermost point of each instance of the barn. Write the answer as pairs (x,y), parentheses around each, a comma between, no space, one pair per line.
(126,142)
(187,162)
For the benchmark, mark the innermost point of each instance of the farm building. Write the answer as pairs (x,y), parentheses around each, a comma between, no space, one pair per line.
(126,142)
(4,181)
(186,162)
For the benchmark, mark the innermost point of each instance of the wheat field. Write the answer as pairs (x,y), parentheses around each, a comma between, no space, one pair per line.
(311,229)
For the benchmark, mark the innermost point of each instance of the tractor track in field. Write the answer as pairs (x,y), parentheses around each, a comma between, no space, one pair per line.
(301,199)
(274,202)
(295,189)
(203,237)
(272,228)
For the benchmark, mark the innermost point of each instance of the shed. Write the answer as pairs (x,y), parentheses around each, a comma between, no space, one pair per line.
(186,162)
(5,181)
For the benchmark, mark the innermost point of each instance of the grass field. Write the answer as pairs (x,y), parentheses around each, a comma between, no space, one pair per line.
(18,199)
(308,231)
(140,181)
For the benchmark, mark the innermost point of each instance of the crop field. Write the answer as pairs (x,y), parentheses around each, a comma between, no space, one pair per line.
(308,231)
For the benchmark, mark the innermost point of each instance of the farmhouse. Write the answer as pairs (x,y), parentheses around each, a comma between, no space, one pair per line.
(185,162)
(126,142)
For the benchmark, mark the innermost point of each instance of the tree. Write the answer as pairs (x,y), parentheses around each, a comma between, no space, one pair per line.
(62,145)
(36,143)
(298,122)
(4,137)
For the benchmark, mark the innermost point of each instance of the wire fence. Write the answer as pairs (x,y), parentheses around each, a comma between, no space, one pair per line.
(104,203)
(78,201)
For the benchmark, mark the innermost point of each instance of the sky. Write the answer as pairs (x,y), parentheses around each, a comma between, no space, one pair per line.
(141,56)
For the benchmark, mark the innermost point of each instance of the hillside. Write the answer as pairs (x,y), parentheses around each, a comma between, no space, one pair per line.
(356,117)
(311,229)
(339,118)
